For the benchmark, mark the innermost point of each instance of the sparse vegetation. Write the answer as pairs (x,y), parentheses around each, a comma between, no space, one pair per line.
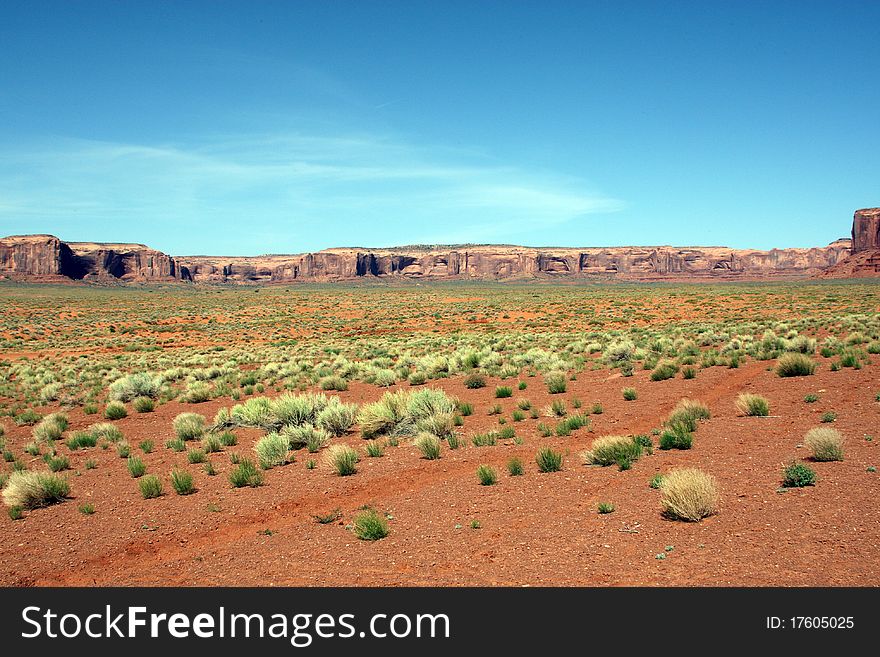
(795,364)
(342,459)
(150,487)
(689,494)
(753,405)
(31,490)
(487,475)
(826,444)
(246,474)
(798,475)
(548,460)
(370,526)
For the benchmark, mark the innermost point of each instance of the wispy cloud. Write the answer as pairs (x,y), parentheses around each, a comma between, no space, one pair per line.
(283,192)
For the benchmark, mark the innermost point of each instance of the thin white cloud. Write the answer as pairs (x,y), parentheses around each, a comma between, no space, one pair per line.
(309,191)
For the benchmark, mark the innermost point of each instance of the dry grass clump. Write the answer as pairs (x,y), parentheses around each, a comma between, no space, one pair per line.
(825,443)
(687,413)
(753,405)
(30,490)
(609,450)
(795,364)
(343,459)
(405,413)
(689,494)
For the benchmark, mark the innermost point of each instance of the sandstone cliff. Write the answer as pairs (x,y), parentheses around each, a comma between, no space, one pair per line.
(493,262)
(45,256)
(866,230)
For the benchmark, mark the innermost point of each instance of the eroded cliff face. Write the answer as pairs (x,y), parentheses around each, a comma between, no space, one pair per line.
(32,255)
(42,256)
(127,262)
(866,230)
(487,262)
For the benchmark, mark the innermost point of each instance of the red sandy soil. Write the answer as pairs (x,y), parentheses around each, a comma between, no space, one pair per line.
(537,529)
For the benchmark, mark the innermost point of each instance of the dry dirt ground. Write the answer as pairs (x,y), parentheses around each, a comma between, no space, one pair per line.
(536,529)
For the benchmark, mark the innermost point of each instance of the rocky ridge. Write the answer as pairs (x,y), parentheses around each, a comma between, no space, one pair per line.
(45,257)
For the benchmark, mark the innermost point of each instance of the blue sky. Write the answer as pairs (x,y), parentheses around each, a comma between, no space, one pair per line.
(255,127)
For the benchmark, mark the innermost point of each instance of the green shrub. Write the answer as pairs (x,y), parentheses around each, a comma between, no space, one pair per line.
(429,445)
(306,435)
(630,394)
(136,467)
(342,459)
(31,490)
(272,450)
(687,414)
(795,364)
(689,494)
(81,440)
(798,475)
(548,460)
(374,449)
(50,427)
(753,405)
(515,467)
(182,481)
(417,378)
(486,475)
(826,444)
(150,487)
(656,481)
(123,449)
(228,439)
(484,439)
(86,508)
(676,437)
(58,463)
(246,474)
(556,383)
(406,412)
(828,416)
(115,410)
(664,370)
(503,392)
(474,381)
(175,444)
(195,456)
(518,416)
(688,372)
(811,398)
(143,405)
(189,426)
(605,507)
(106,431)
(334,383)
(370,526)
(465,409)
(453,441)
(28,418)
(610,450)
(134,386)
(211,444)
(336,418)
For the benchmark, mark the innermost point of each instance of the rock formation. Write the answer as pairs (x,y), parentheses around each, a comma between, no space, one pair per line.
(506,262)
(45,256)
(866,230)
